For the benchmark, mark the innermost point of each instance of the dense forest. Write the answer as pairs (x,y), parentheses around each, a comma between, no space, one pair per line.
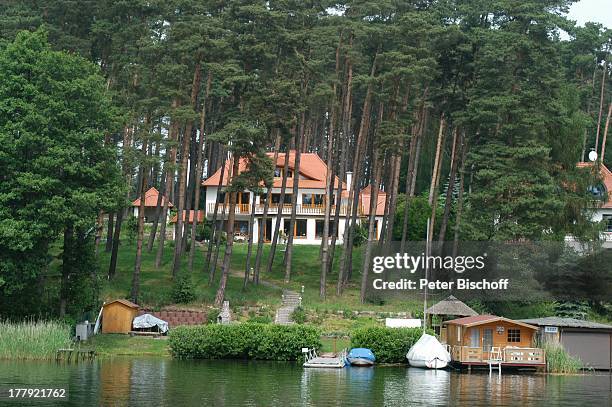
(473,114)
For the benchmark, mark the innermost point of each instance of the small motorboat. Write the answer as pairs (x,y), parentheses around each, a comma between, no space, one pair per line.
(428,352)
(361,357)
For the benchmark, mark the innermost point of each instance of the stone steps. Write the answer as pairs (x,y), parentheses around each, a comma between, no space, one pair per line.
(291,300)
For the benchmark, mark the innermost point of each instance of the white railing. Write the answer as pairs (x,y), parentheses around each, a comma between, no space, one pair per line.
(275,208)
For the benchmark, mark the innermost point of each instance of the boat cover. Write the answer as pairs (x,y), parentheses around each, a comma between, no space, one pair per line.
(149,321)
(361,353)
(428,348)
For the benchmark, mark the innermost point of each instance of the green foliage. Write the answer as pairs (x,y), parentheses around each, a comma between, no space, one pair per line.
(418,213)
(389,345)
(203,231)
(212,315)
(183,290)
(243,341)
(33,339)
(559,361)
(57,171)
(298,315)
(131,227)
(360,232)
(260,319)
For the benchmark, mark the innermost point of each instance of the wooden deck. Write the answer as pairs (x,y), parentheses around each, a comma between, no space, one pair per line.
(518,357)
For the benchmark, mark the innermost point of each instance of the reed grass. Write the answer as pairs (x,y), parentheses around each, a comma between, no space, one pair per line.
(32,339)
(559,361)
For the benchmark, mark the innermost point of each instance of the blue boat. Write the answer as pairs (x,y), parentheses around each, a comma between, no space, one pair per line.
(361,357)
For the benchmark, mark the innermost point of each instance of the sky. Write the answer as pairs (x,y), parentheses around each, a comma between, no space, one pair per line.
(599,11)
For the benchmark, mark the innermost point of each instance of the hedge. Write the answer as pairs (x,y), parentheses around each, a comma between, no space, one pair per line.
(242,341)
(389,345)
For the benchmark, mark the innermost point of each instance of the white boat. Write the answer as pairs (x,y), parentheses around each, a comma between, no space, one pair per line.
(429,353)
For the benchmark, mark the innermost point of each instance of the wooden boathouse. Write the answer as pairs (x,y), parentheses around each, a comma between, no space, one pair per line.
(485,339)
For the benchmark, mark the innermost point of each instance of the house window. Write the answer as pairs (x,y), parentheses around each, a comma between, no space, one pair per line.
(514,335)
(300,228)
(278,172)
(319,224)
(607,219)
(276,198)
(313,199)
(244,198)
(458,334)
(222,197)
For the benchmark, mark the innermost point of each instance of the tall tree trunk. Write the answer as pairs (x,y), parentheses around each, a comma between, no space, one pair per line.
(371,226)
(433,190)
(264,217)
(247,267)
(109,232)
(601,100)
(605,136)
(329,188)
(279,216)
(199,172)
(230,240)
(135,292)
(67,255)
(158,212)
(112,267)
(178,240)
(451,185)
(464,148)
(214,233)
(169,190)
(363,130)
(294,203)
(99,231)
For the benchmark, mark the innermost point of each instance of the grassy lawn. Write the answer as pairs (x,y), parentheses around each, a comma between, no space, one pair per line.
(156,284)
(123,345)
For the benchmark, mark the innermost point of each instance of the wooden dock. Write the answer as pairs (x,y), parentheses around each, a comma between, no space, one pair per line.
(326,360)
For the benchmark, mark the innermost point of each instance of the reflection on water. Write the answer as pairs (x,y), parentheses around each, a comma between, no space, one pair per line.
(162,382)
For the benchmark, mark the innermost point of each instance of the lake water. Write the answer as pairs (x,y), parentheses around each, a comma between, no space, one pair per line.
(164,382)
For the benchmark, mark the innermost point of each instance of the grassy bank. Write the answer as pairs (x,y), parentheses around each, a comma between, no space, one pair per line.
(108,345)
(33,340)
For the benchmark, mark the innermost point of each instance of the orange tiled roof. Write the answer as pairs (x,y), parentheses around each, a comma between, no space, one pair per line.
(151,199)
(312,168)
(606,176)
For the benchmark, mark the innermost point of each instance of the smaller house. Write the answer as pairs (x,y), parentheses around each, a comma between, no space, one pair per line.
(477,339)
(591,342)
(117,316)
(151,197)
(448,308)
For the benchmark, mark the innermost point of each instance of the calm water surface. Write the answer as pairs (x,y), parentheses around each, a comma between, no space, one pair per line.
(162,382)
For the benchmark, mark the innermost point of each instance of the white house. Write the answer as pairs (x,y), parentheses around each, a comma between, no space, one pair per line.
(602,209)
(312,195)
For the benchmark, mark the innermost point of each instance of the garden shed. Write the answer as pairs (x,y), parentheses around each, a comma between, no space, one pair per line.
(117,316)
(591,342)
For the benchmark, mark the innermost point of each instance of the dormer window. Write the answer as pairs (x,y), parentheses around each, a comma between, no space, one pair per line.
(278,173)
(597,191)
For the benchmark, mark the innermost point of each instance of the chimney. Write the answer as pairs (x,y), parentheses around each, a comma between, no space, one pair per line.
(349,179)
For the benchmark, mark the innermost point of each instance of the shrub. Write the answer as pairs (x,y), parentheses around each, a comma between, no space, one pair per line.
(242,341)
(183,291)
(559,361)
(389,345)
(298,315)
(33,339)
(260,319)
(212,315)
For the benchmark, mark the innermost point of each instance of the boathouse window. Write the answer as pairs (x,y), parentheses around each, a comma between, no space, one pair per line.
(514,335)
(458,334)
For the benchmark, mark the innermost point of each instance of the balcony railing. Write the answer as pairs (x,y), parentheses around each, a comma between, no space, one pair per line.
(273,209)
(466,354)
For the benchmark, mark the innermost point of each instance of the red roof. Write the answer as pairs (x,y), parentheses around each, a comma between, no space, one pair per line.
(151,199)
(606,177)
(483,319)
(312,169)
(201,213)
